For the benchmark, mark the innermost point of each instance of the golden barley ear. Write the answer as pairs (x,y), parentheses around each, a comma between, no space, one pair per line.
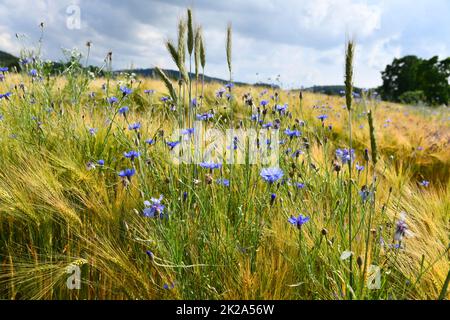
(229,45)
(373,142)
(349,74)
(190,32)
(168,83)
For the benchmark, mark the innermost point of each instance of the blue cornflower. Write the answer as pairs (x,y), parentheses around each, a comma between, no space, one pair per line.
(4,69)
(220,92)
(273,196)
(271,175)
(112,100)
(164,99)
(149,91)
(194,102)
(223,181)
(150,141)
(154,208)
(204,116)
(127,173)
(92,131)
(401,228)
(131,154)
(264,103)
(229,85)
(359,168)
(365,194)
(299,185)
(134,126)
(267,125)
(210,165)
(25,61)
(345,155)
(167,287)
(255,117)
(33,73)
(424,183)
(126,91)
(101,162)
(292,133)
(297,153)
(123,110)
(281,108)
(187,131)
(298,221)
(150,254)
(172,144)
(5,95)
(322,117)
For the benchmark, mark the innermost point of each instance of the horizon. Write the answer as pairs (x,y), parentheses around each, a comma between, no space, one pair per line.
(308,51)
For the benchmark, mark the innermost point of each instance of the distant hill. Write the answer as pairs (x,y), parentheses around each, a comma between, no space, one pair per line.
(335,90)
(174,74)
(8,60)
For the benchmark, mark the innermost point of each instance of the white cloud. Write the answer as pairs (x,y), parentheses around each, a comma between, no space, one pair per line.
(301,40)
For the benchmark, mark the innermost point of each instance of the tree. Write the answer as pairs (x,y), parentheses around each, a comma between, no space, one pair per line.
(411,74)
(400,77)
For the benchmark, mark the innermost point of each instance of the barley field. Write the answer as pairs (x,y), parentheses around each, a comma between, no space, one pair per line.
(356,206)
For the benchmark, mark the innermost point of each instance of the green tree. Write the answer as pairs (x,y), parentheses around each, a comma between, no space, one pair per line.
(400,77)
(411,74)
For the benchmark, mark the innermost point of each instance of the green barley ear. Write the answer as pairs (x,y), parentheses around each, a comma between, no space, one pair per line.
(172,51)
(349,74)
(202,51)
(373,143)
(197,44)
(168,83)
(190,32)
(229,46)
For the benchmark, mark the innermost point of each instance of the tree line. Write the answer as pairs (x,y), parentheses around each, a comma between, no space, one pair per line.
(414,80)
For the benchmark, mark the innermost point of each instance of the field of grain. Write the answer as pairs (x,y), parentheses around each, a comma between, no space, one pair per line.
(357,206)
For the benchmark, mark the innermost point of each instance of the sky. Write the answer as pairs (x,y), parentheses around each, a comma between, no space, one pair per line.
(302,41)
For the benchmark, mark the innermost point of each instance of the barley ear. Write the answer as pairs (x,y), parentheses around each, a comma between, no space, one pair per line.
(172,51)
(190,32)
(373,143)
(202,51)
(168,83)
(229,43)
(197,44)
(349,74)
(182,50)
